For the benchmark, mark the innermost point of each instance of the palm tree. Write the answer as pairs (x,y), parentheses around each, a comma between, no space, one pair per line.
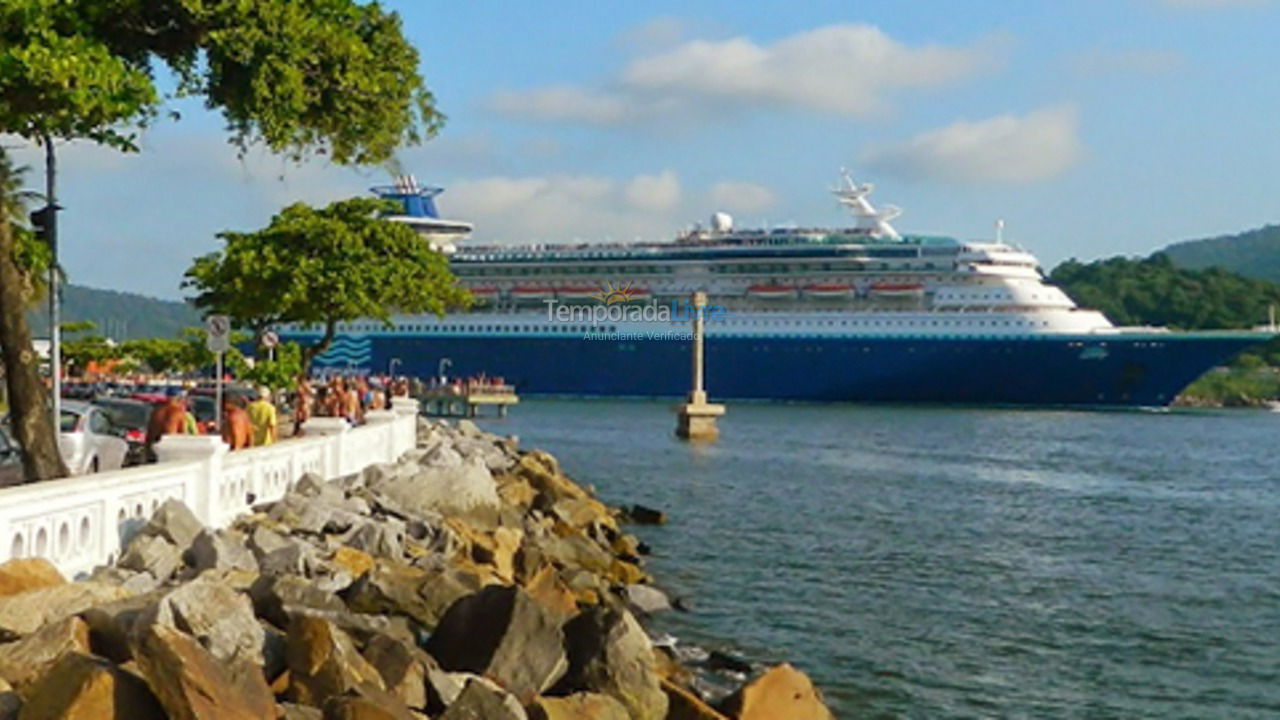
(22,262)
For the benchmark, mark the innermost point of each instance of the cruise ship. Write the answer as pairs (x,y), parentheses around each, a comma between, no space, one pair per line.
(859,313)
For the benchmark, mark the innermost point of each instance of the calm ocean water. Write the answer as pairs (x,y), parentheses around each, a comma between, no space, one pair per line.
(937,562)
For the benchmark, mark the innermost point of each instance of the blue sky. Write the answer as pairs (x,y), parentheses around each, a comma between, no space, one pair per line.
(1093,128)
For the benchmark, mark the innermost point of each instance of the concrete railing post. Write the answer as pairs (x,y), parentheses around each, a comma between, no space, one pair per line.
(329,426)
(404,406)
(208,449)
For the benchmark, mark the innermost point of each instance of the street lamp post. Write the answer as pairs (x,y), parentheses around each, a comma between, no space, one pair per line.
(391,366)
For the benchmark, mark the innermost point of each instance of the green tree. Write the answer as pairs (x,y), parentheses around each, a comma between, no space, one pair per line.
(320,267)
(159,355)
(277,372)
(79,352)
(333,77)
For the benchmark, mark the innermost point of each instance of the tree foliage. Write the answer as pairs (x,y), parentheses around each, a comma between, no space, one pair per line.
(299,76)
(1154,291)
(320,267)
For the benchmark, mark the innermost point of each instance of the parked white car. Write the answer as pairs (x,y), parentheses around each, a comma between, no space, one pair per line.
(88,440)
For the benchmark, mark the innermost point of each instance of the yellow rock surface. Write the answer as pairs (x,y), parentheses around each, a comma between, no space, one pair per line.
(781,692)
(26,574)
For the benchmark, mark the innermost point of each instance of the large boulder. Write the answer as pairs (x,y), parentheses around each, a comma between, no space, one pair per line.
(780,692)
(277,597)
(28,658)
(25,612)
(324,662)
(609,653)
(579,706)
(483,700)
(221,550)
(504,634)
(192,685)
(82,687)
(418,593)
(403,668)
(467,489)
(220,618)
(23,574)
(175,522)
(152,554)
(683,704)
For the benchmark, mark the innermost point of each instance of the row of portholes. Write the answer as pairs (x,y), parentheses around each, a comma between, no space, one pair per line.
(62,548)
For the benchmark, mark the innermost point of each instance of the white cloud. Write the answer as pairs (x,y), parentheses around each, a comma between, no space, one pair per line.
(656,34)
(741,196)
(561,103)
(564,208)
(1134,62)
(654,192)
(1002,149)
(849,70)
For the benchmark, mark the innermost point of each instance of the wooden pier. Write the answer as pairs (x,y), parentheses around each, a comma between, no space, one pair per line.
(466,399)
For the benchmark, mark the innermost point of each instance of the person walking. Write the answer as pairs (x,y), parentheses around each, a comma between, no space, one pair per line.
(169,418)
(302,408)
(237,431)
(264,419)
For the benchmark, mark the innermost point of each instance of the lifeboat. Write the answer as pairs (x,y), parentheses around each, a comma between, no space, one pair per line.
(897,290)
(531,293)
(578,292)
(771,292)
(484,295)
(828,291)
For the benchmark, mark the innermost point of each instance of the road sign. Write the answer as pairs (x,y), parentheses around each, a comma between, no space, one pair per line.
(270,339)
(217,333)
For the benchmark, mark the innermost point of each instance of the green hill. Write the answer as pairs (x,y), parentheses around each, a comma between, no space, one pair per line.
(119,315)
(1254,253)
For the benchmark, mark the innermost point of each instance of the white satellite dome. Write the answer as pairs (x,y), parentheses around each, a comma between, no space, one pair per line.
(722,222)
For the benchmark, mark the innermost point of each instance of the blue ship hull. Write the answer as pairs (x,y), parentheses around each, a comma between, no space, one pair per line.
(1123,369)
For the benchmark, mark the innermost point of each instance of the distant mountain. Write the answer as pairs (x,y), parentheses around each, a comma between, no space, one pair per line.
(119,315)
(1254,253)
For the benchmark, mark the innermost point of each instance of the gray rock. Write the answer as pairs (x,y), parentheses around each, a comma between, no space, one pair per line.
(448,491)
(291,711)
(276,597)
(501,633)
(383,539)
(647,599)
(379,473)
(292,559)
(220,550)
(220,618)
(175,522)
(313,486)
(130,581)
(469,429)
(609,653)
(403,668)
(483,699)
(152,554)
(264,540)
(301,513)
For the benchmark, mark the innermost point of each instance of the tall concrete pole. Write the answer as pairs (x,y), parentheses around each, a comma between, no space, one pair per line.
(698,394)
(55,319)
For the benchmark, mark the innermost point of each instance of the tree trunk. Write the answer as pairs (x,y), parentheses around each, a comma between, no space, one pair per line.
(29,413)
(310,352)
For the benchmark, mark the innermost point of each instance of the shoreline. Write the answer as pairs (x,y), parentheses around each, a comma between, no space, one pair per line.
(469,577)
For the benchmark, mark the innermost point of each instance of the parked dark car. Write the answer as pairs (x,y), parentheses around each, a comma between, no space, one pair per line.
(10,461)
(132,417)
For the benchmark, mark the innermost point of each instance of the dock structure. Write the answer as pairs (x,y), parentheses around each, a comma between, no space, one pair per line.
(465,399)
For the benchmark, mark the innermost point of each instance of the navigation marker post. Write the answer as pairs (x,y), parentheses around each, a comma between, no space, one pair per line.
(218,340)
(696,419)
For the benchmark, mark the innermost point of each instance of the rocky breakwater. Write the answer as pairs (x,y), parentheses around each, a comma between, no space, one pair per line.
(468,580)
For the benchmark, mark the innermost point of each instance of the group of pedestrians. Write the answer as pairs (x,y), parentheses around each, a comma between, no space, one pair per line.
(243,426)
(346,397)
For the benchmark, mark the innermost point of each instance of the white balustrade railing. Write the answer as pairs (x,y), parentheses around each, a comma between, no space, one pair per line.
(82,522)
